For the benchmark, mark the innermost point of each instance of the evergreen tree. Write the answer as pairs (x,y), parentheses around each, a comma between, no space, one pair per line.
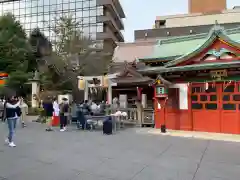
(14,51)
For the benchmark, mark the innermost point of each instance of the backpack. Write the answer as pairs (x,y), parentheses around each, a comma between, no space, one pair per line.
(64,109)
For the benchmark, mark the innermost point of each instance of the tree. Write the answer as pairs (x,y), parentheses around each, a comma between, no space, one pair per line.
(41,47)
(14,51)
(74,53)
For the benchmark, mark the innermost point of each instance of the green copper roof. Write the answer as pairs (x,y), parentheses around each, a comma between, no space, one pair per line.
(159,70)
(184,45)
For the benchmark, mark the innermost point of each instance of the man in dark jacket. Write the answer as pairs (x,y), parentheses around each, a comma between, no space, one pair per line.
(64,114)
(48,111)
(85,111)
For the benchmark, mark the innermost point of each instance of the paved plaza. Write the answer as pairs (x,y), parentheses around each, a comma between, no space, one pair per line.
(128,155)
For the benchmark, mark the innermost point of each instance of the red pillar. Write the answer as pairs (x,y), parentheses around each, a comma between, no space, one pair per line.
(159,113)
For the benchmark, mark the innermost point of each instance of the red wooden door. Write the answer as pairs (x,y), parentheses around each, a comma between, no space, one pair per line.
(230,105)
(216,108)
(172,119)
(205,105)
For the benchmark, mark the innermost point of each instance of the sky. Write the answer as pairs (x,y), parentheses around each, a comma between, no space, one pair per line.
(141,14)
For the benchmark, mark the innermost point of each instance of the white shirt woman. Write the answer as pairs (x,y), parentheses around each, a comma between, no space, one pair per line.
(56,108)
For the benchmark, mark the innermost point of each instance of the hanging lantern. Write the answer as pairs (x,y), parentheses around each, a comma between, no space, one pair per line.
(81,83)
(105,81)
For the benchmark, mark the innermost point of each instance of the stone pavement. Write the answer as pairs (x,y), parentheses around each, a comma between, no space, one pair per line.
(193,134)
(127,155)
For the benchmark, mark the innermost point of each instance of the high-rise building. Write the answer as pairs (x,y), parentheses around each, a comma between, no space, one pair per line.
(201,17)
(101,20)
(206,6)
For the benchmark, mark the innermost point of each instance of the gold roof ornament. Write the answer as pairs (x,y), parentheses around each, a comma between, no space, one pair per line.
(158,81)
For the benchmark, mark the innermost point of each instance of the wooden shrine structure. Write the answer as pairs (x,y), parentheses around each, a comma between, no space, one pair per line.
(198,81)
(123,79)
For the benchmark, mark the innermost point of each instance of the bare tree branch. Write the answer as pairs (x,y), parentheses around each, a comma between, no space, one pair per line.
(74,53)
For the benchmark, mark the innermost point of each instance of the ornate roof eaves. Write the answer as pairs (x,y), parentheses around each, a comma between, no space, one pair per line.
(216,32)
(216,29)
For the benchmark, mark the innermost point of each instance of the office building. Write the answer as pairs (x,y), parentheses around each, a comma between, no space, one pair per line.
(100,20)
(205,6)
(200,18)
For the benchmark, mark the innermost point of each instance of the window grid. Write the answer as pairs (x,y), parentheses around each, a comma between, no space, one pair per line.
(35,13)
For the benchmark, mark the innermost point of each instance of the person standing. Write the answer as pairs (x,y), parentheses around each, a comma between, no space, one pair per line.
(86,111)
(2,102)
(64,114)
(56,111)
(74,112)
(24,110)
(48,111)
(12,112)
(56,107)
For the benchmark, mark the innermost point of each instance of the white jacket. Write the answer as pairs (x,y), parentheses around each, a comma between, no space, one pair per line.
(56,108)
(8,105)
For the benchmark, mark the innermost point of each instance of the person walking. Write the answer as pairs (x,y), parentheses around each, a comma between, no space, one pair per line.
(24,110)
(48,112)
(12,112)
(2,102)
(64,114)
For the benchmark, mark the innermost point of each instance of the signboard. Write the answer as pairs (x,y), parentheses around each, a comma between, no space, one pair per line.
(161,91)
(3,77)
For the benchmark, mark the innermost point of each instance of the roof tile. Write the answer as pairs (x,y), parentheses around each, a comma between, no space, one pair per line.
(179,46)
(129,52)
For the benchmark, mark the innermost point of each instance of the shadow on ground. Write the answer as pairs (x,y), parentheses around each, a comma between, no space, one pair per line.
(127,155)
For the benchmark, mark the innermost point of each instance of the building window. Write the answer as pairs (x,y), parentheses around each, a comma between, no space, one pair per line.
(99,27)
(93,12)
(39,13)
(100,11)
(92,3)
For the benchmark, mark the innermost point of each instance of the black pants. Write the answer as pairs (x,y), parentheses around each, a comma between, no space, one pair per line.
(1,115)
(63,121)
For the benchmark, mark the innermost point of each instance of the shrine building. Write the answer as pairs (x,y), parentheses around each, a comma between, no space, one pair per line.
(198,81)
